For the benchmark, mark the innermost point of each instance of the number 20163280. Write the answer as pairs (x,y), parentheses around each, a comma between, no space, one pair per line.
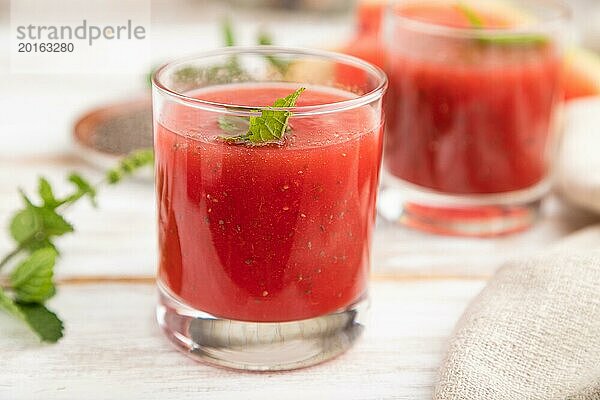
(26,47)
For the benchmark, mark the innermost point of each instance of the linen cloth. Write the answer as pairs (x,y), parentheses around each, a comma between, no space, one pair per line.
(534,330)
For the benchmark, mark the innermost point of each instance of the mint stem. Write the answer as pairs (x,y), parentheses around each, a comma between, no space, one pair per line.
(476,22)
(16,251)
(228,32)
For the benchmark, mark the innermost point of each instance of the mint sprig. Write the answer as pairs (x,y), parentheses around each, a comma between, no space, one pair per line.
(476,22)
(34,229)
(271,125)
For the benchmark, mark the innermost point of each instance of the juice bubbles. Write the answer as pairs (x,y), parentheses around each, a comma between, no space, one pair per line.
(270,233)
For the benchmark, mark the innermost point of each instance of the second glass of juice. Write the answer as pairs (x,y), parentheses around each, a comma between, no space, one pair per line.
(265,247)
(472,111)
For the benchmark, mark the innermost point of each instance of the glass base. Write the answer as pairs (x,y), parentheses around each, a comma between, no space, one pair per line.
(481,215)
(259,346)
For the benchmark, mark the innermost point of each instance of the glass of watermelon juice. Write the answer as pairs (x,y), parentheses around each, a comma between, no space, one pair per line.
(264,248)
(475,92)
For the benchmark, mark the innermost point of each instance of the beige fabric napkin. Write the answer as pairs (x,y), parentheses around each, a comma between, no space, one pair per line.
(533,332)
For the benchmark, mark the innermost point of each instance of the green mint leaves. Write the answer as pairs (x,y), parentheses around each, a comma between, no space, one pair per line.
(508,39)
(35,226)
(42,321)
(46,324)
(270,126)
(31,280)
(33,229)
(233,124)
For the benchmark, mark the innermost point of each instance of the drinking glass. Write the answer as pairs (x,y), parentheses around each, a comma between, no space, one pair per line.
(265,248)
(472,113)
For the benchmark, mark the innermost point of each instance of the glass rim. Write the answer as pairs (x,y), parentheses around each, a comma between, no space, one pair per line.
(562,13)
(237,109)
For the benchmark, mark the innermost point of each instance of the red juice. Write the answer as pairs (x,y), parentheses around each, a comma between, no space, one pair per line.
(267,233)
(465,116)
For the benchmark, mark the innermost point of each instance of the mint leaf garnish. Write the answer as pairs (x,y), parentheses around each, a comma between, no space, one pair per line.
(26,224)
(271,124)
(84,188)
(46,193)
(31,280)
(233,123)
(42,321)
(33,227)
(507,39)
(53,223)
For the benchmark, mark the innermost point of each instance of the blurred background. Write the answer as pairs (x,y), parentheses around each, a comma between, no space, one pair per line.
(42,106)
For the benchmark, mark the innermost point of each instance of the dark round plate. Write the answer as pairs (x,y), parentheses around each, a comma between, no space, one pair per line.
(105,134)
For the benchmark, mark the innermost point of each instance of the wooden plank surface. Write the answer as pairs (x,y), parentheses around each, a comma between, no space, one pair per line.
(114,349)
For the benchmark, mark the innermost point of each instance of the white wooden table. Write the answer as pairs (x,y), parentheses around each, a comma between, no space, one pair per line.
(112,346)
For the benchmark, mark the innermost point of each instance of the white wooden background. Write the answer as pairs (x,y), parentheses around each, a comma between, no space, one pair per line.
(113,347)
